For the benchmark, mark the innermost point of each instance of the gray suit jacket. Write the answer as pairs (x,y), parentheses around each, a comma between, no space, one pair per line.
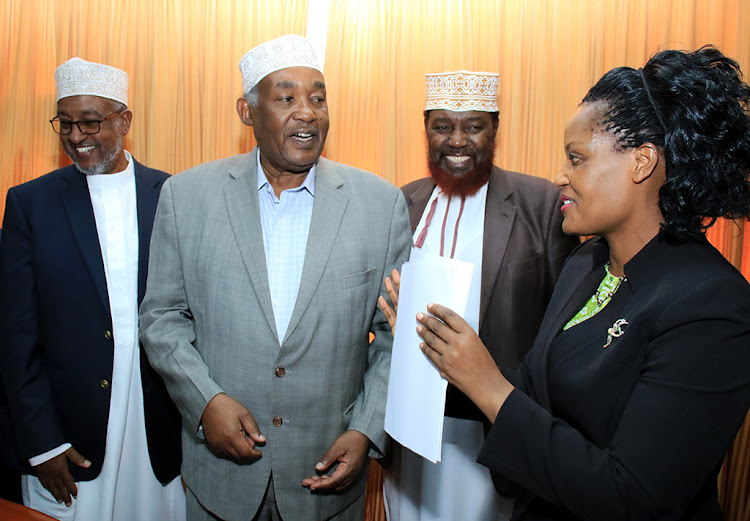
(522,256)
(207,324)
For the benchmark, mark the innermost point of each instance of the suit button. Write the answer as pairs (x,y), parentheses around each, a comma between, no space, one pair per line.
(277,422)
(108,335)
(104,384)
(280,372)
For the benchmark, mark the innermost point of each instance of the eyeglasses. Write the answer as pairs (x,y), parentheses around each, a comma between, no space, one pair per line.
(86,126)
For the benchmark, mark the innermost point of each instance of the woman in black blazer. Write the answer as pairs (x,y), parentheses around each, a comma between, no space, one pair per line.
(640,375)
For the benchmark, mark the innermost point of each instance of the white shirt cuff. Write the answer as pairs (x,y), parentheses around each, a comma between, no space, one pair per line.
(38,460)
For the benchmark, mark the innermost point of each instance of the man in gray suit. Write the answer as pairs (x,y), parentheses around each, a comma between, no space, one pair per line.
(264,276)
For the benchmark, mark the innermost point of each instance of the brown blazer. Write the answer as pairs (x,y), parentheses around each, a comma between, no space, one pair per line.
(524,250)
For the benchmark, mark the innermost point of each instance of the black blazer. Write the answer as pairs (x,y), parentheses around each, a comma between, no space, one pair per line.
(524,250)
(55,324)
(636,430)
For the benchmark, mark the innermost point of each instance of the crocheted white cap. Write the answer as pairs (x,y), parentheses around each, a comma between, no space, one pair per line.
(461,91)
(290,50)
(77,77)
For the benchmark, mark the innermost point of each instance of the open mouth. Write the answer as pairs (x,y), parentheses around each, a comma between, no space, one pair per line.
(305,136)
(457,161)
(566,202)
(84,150)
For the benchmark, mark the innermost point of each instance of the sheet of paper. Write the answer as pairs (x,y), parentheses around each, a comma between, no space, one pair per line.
(416,392)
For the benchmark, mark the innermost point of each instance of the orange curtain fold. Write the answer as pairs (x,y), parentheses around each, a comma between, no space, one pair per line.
(182,58)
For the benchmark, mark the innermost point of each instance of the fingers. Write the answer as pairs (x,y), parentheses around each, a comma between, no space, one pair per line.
(63,490)
(350,452)
(388,311)
(241,442)
(434,332)
(231,431)
(448,316)
(243,449)
(328,459)
(392,286)
(55,477)
(396,276)
(251,428)
(77,458)
(336,482)
(236,445)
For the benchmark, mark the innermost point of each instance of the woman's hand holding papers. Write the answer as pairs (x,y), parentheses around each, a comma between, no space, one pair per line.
(462,359)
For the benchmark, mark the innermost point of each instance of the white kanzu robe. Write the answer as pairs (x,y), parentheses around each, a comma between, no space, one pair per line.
(126,489)
(458,487)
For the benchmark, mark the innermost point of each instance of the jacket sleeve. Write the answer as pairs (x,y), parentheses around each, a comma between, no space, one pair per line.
(166,322)
(36,425)
(369,410)
(691,396)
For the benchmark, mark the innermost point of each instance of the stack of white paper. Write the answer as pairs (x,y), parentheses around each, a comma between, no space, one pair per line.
(416,391)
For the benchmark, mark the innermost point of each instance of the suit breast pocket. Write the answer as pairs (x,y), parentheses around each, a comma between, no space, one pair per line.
(529,266)
(355,280)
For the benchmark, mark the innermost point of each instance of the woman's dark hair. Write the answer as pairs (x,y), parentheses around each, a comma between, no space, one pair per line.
(694,105)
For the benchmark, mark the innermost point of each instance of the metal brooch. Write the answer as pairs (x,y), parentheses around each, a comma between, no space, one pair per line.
(617,330)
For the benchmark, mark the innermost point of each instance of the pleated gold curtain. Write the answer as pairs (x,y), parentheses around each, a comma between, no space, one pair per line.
(181,56)
(182,59)
(548,54)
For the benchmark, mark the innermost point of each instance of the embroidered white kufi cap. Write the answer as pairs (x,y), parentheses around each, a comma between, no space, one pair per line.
(290,50)
(462,91)
(77,77)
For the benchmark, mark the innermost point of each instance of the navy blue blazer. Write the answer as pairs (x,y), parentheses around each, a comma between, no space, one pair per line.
(56,328)
(635,430)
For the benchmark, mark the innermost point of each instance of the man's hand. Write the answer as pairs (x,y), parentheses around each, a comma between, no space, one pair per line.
(230,430)
(55,475)
(350,452)
(392,285)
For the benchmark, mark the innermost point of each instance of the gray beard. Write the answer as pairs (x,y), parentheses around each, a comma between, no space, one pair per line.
(106,165)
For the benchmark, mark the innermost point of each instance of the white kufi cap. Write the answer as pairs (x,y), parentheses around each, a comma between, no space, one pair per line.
(462,91)
(77,77)
(290,50)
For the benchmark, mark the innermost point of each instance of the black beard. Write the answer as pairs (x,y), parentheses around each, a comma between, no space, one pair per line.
(465,184)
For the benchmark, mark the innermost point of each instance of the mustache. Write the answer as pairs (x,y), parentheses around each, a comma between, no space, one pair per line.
(465,184)
(446,150)
(305,129)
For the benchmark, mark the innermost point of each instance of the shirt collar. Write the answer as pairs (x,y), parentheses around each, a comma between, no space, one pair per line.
(308,184)
(98,182)
(479,194)
(659,251)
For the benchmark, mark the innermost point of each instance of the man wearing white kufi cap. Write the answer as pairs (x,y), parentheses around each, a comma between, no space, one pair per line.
(94,427)
(509,226)
(263,283)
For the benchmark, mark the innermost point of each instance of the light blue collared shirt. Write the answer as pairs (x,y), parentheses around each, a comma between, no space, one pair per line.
(286,224)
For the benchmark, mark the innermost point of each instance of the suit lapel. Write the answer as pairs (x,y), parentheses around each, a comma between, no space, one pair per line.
(146,196)
(328,211)
(80,213)
(581,276)
(417,202)
(241,196)
(499,215)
